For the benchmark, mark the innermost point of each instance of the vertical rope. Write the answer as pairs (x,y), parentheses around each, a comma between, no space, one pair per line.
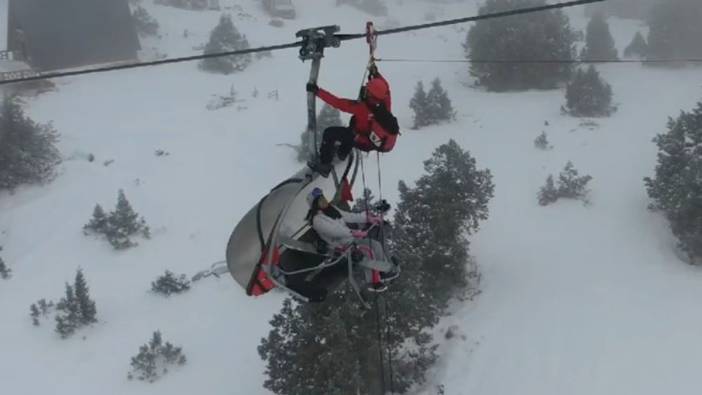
(385,301)
(380,179)
(389,347)
(380,344)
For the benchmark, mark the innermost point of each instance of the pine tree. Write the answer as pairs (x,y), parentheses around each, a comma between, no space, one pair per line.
(548,193)
(675,30)
(638,48)
(168,284)
(144,364)
(570,184)
(225,37)
(599,41)
(459,194)
(27,153)
(86,306)
(34,313)
(145,24)
(439,105)
(68,313)
(420,105)
(44,306)
(332,347)
(588,95)
(537,36)
(541,142)
(5,272)
(328,116)
(154,358)
(99,223)
(364,202)
(676,188)
(123,223)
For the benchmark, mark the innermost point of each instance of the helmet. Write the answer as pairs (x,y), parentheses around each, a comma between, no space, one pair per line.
(377,89)
(315,194)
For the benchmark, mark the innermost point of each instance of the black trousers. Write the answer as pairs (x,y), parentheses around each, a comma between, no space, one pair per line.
(331,136)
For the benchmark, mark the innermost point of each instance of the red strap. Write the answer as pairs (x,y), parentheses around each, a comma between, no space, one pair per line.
(261,283)
(346,195)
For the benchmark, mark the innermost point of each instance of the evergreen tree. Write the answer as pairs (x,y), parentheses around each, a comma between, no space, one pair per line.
(538,36)
(439,105)
(548,193)
(637,48)
(99,223)
(168,284)
(5,272)
(332,348)
(27,149)
(459,194)
(570,184)
(364,202)
(34,313)
(44,307)
(676,188)
(154,358)
(420,105)
(328,116)
(675,30)
(145,24)
(86,306)
(599,41)
(541,142)
(588,95)
(225,37)
(68,314)
(123,223)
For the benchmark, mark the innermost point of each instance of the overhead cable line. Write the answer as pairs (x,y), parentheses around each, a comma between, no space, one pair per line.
(342,37)
(542,61)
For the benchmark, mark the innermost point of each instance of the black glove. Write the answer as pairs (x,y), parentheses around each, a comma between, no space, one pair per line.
(382,206)
(312,88)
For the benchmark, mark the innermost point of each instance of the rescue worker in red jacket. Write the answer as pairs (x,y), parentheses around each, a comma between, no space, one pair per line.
(372,127)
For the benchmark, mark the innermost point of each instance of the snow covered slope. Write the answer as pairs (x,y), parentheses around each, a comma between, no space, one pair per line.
(575,299)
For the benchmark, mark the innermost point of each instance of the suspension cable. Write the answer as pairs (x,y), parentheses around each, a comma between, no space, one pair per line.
(342,37)
(542,61)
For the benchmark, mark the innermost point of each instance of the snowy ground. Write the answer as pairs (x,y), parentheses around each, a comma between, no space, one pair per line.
(576,300)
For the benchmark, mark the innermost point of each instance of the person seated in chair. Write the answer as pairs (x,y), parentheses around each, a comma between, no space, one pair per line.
(333,227)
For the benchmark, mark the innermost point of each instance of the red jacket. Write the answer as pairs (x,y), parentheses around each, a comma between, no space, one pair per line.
(370,135)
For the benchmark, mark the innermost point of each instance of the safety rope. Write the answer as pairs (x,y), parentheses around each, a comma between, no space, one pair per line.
(380,344)
(388,325)
(342,37)
(381,357)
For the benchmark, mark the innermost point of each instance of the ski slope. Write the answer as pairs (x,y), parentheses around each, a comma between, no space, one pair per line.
(575,299)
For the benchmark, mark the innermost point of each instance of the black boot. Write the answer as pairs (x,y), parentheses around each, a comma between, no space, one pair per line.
(322,168)
(393,274)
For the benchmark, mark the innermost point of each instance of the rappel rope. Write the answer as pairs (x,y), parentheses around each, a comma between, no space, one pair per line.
(381,357)
(383,346)
(388,325)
